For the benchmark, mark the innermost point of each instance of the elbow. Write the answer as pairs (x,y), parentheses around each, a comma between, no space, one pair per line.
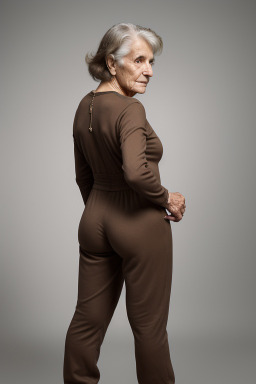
(136,174)
(133,178)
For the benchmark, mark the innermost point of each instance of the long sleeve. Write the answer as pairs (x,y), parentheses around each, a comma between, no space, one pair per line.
(84,175)
(137,171)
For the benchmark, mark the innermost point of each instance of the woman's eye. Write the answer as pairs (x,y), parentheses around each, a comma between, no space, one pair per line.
(139,61)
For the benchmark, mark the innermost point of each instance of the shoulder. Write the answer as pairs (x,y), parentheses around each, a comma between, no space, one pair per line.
(132,102)
(132,107)
(123,104)
(80,107)
(85,101)
(131,119)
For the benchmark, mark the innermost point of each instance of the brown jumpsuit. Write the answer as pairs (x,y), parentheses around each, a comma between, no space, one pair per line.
(123,237)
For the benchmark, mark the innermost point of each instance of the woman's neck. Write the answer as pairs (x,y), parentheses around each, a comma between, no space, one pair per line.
(113,85)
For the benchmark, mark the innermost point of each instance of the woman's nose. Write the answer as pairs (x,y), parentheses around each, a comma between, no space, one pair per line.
(148,70)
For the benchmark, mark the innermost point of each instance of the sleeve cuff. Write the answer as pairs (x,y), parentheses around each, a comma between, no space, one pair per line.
(166,197)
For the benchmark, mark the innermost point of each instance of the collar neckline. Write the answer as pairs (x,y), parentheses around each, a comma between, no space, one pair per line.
(105,92)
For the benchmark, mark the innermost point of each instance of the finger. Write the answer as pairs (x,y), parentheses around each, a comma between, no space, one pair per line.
(177,213)
(179,216)
(174,217)
(170,218)
(169,215)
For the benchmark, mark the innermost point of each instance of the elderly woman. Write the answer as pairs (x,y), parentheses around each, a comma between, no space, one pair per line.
(124,233)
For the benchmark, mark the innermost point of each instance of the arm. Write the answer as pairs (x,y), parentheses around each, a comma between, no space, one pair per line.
(136,169)
(84,175)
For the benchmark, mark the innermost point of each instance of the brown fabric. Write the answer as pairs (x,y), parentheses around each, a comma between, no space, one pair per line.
(122,237)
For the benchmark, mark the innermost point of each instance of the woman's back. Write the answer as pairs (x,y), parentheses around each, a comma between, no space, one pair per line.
(122,147)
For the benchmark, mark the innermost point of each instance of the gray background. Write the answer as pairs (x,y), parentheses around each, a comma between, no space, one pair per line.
(201,103)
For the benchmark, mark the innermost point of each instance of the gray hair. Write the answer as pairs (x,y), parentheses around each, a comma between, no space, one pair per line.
(117,43)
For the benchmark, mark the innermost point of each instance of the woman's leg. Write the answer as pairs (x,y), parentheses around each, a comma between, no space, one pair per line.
(99,287)
(145,244)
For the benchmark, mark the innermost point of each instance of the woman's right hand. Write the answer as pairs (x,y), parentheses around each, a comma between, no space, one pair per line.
(176,207)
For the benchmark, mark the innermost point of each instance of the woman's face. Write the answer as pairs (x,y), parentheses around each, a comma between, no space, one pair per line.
(134,76)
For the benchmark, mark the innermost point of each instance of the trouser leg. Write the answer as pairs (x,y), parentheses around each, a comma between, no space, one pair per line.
(100,284)
(147,271)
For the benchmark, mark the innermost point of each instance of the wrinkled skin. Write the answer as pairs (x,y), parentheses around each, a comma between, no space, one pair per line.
(177,206)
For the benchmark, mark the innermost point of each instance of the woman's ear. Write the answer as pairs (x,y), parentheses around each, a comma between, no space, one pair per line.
(110,62)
